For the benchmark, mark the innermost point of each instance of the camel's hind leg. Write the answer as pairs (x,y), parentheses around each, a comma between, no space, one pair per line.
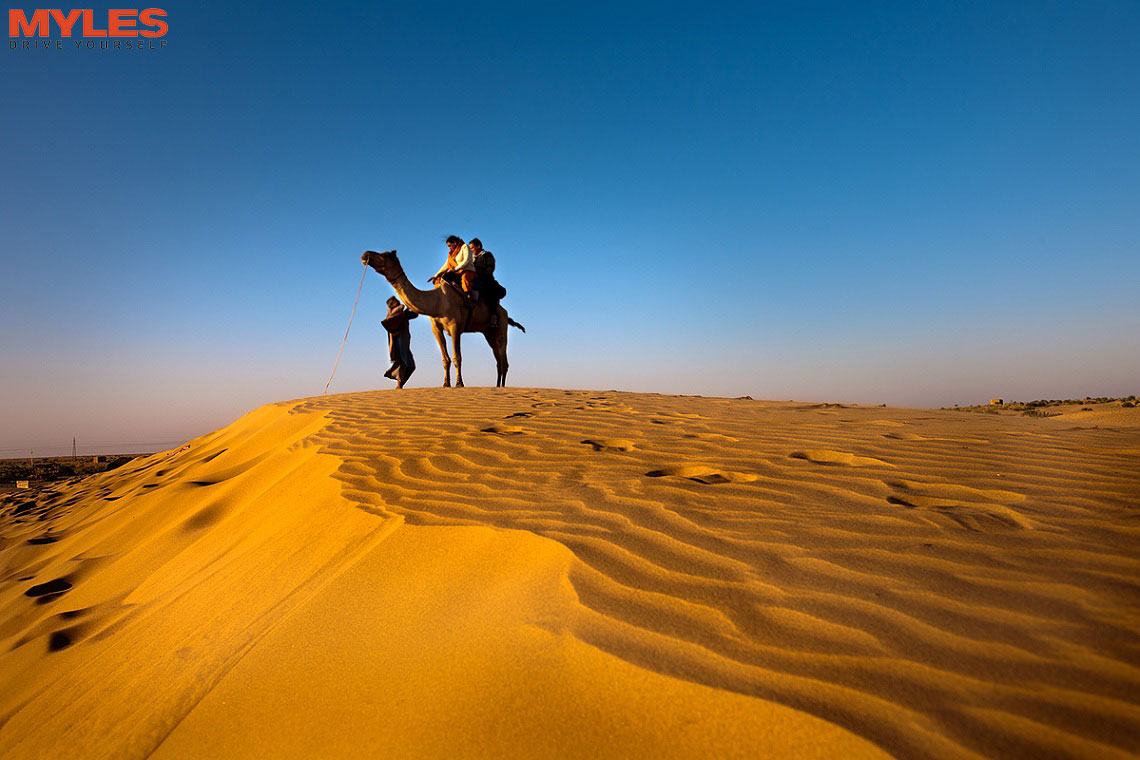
(441,339)
(497,340)
(500,358)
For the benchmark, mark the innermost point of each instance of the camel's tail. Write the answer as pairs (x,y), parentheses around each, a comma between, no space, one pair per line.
(513,323)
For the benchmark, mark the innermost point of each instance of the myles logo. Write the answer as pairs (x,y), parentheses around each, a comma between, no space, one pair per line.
(120,23)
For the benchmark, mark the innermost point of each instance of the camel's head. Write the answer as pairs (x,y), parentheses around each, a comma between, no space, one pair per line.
(385,263)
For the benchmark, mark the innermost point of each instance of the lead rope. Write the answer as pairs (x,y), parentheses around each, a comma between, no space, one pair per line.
(345,338)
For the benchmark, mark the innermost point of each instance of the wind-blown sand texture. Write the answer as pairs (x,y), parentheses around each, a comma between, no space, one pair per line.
(482,573)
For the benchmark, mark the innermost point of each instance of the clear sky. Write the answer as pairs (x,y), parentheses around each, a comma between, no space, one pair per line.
(907,203)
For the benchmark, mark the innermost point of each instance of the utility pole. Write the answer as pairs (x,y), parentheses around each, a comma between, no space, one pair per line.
(73,447)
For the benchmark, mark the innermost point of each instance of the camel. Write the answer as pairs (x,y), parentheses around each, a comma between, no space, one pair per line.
(450,313)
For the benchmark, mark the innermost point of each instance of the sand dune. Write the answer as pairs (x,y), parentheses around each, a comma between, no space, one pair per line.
(525,572)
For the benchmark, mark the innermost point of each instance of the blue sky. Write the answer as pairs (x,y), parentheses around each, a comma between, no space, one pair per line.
(906,203)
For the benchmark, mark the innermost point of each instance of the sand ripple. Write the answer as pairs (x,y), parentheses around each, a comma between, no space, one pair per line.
(944,585)
(951,591)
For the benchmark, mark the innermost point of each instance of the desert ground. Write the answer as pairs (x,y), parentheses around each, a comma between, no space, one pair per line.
(532,572)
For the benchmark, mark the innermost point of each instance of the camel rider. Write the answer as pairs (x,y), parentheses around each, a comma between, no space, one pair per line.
(461,262)
(489,288)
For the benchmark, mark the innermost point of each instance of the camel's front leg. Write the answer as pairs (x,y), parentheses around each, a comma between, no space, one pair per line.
(455,336)
(441,339)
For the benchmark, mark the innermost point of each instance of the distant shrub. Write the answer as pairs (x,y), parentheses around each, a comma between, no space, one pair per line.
(1039,413)
(1128,404)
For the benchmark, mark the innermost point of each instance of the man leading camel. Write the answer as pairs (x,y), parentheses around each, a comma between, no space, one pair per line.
(399,342)
(461,261)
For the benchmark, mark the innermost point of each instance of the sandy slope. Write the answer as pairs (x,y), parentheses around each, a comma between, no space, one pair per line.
(524,572)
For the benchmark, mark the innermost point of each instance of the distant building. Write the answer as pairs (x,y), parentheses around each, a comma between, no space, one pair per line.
(996,402)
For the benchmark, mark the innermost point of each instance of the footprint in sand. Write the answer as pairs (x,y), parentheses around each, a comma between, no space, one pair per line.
(703,474)
(504,430)
(955,491)
(61,639)
(971,508)
(73,626)
(519,415)
(218,476)
(714,437)
(214,456)
(841,458)
(205,517)
(609,444)
(53,589)
(917,437)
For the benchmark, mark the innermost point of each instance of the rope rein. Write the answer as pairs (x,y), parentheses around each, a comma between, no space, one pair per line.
(345,338)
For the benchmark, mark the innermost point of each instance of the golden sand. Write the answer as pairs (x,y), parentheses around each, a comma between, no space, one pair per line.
(521,573)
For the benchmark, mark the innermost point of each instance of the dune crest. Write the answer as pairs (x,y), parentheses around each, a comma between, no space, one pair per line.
(664,572)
